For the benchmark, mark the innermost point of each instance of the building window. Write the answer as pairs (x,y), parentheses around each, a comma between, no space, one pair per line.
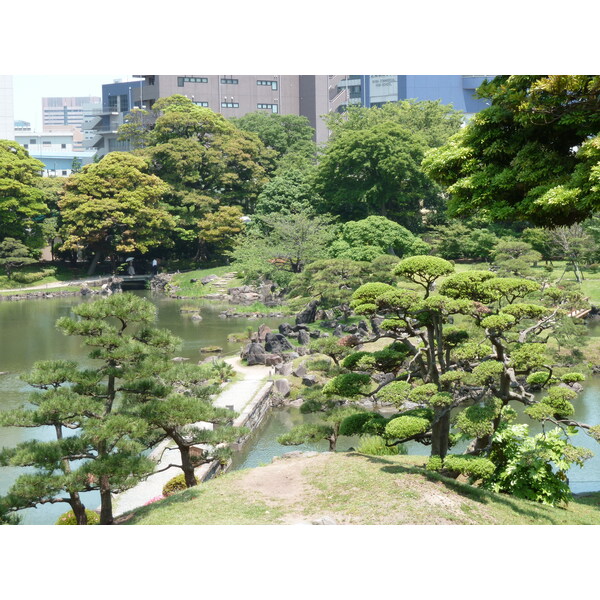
(46,143)
(230,104)
(32,141)
(273,84)
(63,146)
(273,107)
(183,80)
(230,81)
(64,173)
(201,104)
(25,146)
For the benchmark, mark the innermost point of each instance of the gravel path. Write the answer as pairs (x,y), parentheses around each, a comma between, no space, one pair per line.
(236,395)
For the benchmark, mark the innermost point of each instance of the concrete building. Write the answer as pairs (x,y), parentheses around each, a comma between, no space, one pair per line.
(7,118)
(375,90)
(236,95)
(55,150)
(68,114)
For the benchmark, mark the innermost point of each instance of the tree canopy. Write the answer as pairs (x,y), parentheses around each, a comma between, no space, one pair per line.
(533,155)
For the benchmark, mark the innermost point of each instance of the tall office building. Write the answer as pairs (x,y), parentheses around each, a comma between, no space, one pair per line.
(68,114)
(7,118)
(375,90)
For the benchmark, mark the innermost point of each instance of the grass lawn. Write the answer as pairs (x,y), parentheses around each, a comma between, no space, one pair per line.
(49,274)
(341,486)
(196,289)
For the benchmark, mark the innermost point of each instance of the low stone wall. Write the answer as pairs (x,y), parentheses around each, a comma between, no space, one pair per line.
(251,417)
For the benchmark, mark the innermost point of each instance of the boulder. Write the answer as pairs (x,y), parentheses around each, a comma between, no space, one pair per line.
(276,343)
(282,387)
(316,333)
(254,354)
(303,337)
(309,380)
(309,313)
(273,359)
(285,329)
(262,332)
(208,279)
(284,368)
(299,371)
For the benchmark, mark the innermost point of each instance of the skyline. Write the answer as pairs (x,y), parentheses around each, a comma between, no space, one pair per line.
(28,91)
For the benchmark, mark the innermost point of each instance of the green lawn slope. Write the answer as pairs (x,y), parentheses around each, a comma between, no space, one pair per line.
(350,488)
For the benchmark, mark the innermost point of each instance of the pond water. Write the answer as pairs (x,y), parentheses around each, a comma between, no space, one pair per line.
(28,334)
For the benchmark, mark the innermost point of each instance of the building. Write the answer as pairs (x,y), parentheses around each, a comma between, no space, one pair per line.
(55,150)
(21,126)
(7,118)
(375,90)
(69,114)
(310,96)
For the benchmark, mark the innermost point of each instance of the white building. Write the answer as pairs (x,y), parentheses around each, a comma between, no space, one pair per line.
(7,118)
(55,150)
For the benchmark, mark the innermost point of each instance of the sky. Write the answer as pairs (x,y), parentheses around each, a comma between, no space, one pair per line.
(30,89)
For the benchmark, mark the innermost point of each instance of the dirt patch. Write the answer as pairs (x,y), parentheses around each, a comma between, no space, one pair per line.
(283,484)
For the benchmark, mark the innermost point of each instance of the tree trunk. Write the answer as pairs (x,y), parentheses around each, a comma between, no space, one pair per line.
(106,516)
(188,467)
(94,263)
(440,432)
(78,509)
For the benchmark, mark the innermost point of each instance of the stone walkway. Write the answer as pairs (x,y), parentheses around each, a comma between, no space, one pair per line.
(236,395)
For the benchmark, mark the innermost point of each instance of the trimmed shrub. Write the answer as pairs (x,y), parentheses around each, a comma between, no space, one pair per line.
(405,427)
(174,485)
(471,466)
(374,445)
(69,518)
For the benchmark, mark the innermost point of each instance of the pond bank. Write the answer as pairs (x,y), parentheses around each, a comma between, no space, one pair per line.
(249,397)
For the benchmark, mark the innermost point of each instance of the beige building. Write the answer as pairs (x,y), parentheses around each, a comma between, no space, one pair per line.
(67,114)
(7,130)
(236,95)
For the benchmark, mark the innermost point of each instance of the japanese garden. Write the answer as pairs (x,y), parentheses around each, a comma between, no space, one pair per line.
(234,325)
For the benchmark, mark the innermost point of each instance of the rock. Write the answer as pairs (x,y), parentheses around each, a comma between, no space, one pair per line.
(254,353)
(211,349)
(85,290)
(300,327)
(196,317)
(302,350)
(208,279)
(338,331)
(281,369)
(303,337)
(285,329)
(323,521)
(290,355)
(193,281)
(273,359)
(179,359)
(308,314)
(375,325)
(309,380)
(282,387)
(276,343)
(262,332)
(299,371)
(316,333)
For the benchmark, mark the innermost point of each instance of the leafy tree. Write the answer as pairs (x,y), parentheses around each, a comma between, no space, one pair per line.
(376,171)
(575,244)
(135,128)
(456,240)
(475,370)
(15,254)
(21,199)
(368,238)
(281,133)
(218,230)
(280,245)
(533,155)
(431,121)
(114,206)
(514,258)
(290,191)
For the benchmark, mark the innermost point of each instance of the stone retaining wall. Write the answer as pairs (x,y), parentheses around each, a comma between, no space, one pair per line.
(251,417)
